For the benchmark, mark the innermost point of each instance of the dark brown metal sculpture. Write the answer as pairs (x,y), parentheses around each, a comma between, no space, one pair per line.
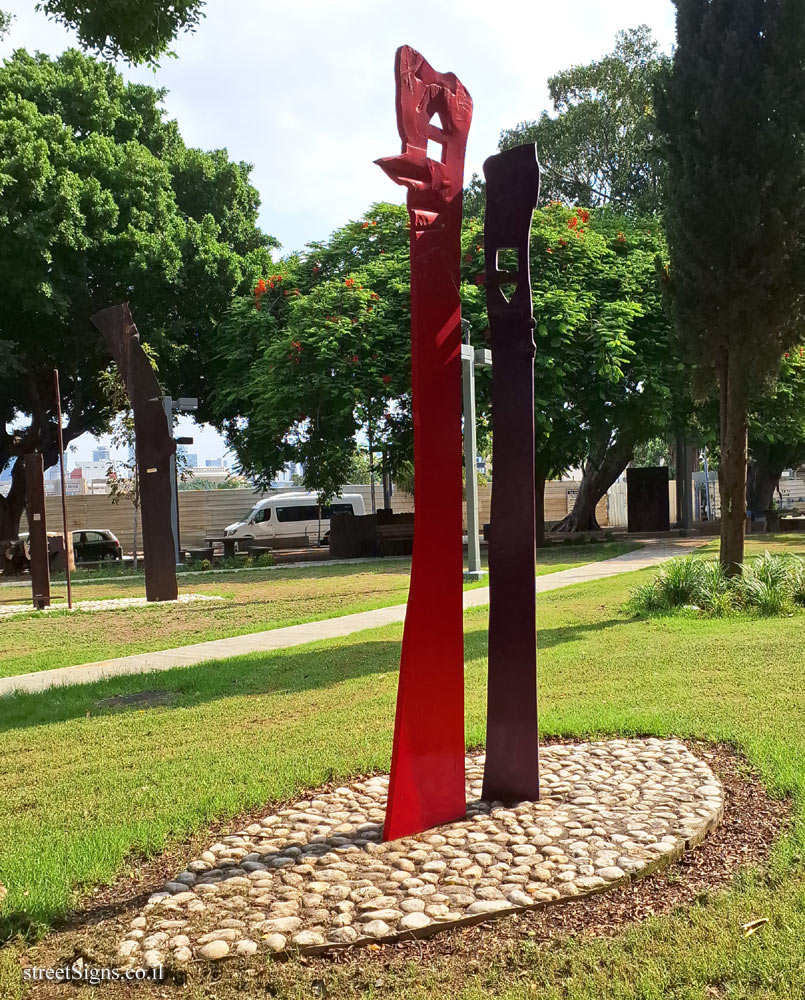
(427,767)
(154,448)
(39,555)
(511,772)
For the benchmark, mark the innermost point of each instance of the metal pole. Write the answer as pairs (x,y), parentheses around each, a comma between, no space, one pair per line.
(167,402)
(474,571)
(707,486)
(68,547)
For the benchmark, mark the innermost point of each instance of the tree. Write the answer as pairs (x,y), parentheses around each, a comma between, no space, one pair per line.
(600,146)
(777,431)
(328,358)
(733,117)
(138,30)
(101,202)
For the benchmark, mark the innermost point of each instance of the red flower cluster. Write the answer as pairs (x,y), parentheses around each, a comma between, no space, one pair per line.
(263,286)
(387,379)
(480,279)
(572,222)
(562,243)
(349,282)
(584,215)
(354,359)
(367,224)
(621,238)
(295,351)
(374,296)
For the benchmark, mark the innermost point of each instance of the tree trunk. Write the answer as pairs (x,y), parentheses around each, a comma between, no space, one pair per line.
(732,467)
(12,506)
(539,498)
(601,469)
(762,480)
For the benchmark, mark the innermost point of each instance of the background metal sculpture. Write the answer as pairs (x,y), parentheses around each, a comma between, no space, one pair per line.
(427,768)
(37,529)
(154,448)
(511,771)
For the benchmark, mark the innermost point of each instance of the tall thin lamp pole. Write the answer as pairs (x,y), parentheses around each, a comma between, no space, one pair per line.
(67,546)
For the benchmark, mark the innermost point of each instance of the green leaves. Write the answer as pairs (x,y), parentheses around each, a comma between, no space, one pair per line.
(139,30)
(101,202)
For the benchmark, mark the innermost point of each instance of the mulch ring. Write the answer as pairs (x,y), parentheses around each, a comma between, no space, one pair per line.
(751,825)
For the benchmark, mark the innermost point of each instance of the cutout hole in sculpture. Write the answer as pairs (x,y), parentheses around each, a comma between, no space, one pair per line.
(508,288)
(507,260)
(435,150)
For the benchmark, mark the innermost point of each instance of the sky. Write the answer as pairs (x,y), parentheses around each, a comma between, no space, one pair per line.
(304,91)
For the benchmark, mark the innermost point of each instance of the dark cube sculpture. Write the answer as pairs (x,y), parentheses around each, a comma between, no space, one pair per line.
(647,500)
(154,449)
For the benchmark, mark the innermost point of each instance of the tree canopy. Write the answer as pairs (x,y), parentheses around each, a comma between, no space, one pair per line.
(101,202)
(733,116)
(777,430)
(599,147)
(138,30)
(319,353)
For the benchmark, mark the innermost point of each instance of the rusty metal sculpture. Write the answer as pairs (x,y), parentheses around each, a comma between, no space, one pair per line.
(427,769)
(511,771)
(39,554)
(154,449)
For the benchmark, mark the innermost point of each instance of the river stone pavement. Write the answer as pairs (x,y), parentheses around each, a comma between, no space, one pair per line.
(110,604)
(316,876)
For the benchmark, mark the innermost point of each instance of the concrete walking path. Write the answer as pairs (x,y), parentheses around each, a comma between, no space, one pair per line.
(652,553)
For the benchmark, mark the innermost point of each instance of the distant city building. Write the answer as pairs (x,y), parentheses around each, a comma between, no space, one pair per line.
(91,470)
(216,463)
(101,454)
(190,459)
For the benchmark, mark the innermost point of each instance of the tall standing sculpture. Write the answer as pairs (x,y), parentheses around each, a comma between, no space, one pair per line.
(427,768)
(154,447)
(511,772)
(37,529)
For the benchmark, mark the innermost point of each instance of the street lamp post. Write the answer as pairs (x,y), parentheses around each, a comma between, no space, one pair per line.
(184,404)
(470,359)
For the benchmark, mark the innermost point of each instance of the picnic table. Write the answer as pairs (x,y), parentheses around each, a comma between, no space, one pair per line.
(229,542)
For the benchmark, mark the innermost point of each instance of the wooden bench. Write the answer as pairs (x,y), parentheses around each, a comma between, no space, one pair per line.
(395,539)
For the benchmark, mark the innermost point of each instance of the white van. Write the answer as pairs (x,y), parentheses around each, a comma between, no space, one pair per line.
(292,518)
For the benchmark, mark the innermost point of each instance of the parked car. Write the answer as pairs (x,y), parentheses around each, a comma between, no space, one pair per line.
(95,545)
(292,518)
(89,545)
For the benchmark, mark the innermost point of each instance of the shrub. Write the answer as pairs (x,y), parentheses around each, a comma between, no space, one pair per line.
(206,564)
(679,581)
(265,559)
(768,585)
(648,599)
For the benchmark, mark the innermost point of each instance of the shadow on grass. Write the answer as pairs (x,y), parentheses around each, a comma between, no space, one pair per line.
(548,637)
(279,672)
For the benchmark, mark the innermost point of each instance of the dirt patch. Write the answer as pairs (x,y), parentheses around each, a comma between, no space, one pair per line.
(141,699)
(752,823)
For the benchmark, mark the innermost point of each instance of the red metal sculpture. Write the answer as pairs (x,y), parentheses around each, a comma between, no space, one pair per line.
(511,772)
(154,448)
(427,768)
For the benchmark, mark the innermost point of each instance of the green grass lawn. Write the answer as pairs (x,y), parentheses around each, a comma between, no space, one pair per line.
(253,602)
(84,787)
